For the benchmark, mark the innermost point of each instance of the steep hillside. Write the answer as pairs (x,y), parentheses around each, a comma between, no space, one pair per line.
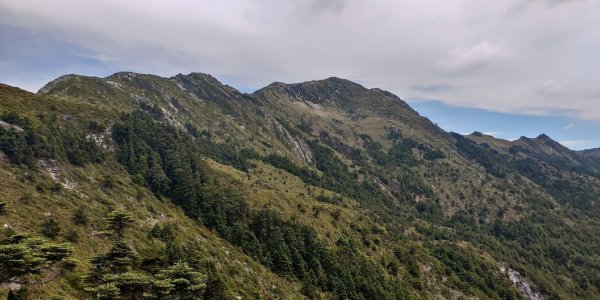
(323,189)
(592,153)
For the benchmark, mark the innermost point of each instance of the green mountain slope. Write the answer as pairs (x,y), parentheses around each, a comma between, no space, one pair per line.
(322,189)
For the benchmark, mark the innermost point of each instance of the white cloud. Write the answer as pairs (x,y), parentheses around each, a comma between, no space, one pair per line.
(517,56)
(459,60)
(569,126)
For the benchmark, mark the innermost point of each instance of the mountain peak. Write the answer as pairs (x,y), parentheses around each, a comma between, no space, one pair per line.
(544,138)
(541,139)
(50,85)
(337,81)
(124,74)
(330,90)
(205,85)
(198,76)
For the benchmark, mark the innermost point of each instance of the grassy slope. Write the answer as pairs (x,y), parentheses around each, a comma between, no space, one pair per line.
(459,184)
(30,201)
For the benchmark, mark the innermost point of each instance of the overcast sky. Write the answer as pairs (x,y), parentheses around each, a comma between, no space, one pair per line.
(528,57)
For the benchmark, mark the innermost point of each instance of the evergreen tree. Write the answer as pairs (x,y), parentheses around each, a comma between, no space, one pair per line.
(131,285)
(157,179)
(120,257)
(118,221)
(187,283)
(309,286)
(215,288)
(21,255)
(114,274)
(106,291)
(12,296)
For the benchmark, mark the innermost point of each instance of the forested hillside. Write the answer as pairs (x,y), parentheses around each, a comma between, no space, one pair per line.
(139,186)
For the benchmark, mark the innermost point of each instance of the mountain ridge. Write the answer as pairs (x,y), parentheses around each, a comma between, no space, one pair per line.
(332,82)
(396,206)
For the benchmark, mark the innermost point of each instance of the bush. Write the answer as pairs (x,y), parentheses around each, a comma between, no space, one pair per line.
(80,217)
(50,228)
(109,181)
(72,236)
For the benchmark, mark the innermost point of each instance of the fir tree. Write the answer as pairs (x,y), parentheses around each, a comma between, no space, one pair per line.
(120,257)
(187,283)
(22,255)
(118,221)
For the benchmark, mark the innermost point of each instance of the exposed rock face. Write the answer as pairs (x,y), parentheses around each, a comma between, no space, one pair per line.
(338,145)
(8,126)
(12,284)
(102,139)
(521,283)
(298,146)
(53,170)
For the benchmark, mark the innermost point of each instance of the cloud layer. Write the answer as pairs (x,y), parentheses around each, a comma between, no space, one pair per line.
(516,56)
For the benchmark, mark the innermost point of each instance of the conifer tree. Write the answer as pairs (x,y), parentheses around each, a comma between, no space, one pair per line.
(115,276)
(22,255)
(187,283)
(120,257)
(118,221)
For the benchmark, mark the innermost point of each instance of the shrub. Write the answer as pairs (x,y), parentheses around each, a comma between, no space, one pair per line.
(72,236)
(80,217)
(50,228)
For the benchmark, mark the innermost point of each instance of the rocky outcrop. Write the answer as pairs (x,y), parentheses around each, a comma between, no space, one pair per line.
(8,126)
(296,144)
(339,146)
(521,283)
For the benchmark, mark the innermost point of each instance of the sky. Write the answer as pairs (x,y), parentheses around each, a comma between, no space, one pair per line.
(510,68)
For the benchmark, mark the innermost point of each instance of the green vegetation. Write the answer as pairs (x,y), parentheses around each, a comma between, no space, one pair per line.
(21,255)
(287,249)
(114,274)
(468,271)
(493,162)
(400,153)
(50,228)
(323,190)
(26,143)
